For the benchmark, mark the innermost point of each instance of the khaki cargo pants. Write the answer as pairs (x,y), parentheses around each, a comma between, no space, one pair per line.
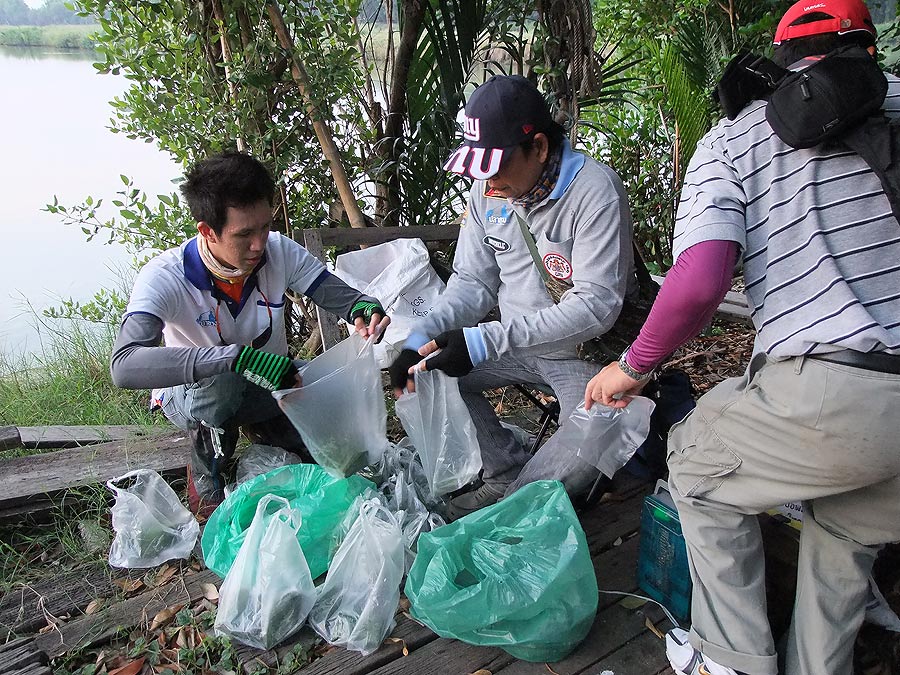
(798,430)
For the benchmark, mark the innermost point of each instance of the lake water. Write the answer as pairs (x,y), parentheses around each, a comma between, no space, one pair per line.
(54,118)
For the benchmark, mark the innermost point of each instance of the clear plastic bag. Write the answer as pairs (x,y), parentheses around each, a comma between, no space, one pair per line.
(340,411)
(399,273)
(258,459)
(150,522)
(356,604)
(442,432)
(607,438)
(269,591)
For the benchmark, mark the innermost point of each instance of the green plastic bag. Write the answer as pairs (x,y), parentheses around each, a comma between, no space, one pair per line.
(322,500)
(515,575)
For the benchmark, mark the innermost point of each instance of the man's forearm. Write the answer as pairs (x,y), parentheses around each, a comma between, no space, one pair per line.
(138,362)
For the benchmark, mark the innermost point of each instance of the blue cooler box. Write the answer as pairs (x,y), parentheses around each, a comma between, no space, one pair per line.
(662,559)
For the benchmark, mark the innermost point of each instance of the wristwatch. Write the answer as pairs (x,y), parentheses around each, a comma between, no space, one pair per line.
(631,372)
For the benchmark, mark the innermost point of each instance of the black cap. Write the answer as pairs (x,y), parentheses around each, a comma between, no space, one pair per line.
(501,113)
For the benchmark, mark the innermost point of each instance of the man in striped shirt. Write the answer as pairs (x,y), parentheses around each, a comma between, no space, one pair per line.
(814,418)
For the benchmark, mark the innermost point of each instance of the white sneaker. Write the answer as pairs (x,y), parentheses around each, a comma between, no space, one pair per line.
(685,660)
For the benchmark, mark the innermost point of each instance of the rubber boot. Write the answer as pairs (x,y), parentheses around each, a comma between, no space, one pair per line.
(278,432)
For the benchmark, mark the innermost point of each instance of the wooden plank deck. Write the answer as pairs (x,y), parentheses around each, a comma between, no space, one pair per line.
(619,640)
(58,436)
(24,479)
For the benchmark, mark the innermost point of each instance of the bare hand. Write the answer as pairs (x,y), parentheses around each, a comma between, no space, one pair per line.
(612,388)
(375,327)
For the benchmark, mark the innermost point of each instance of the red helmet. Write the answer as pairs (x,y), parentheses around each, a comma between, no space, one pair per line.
(844,16)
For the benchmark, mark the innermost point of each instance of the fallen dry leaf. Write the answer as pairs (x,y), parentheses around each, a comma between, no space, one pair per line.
(47,628)
(210,592)
(547,666)
(164,616)
(164,575)
(94,606)
(482,671)
(129,585)
(402,642)
(648,624)
(132,668)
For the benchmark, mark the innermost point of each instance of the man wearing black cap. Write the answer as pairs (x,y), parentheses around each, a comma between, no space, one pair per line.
(814,419)
(540,216)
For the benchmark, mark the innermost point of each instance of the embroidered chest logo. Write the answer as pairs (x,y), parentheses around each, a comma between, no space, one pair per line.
(557,266)
(207,319)
(495,218)
(496,243)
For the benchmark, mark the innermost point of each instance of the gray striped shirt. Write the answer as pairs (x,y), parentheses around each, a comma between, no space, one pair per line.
(821,249)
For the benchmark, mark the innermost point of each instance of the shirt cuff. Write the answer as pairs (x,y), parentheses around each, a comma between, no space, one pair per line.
(475,344)
(414,341)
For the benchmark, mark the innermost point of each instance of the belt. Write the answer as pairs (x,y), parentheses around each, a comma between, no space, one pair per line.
(877,361)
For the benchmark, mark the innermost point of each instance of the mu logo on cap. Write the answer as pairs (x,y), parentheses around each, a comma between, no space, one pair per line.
(472,129)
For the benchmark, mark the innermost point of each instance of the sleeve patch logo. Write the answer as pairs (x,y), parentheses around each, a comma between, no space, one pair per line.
(557,266)
(496,243)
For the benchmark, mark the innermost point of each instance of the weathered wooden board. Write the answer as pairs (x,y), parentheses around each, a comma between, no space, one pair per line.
(446,657)
(97,628)
(24,609)
(71,436)
(406,634)
(22,477)
(21,657)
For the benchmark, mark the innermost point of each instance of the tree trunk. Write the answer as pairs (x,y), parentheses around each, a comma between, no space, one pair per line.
(323,133)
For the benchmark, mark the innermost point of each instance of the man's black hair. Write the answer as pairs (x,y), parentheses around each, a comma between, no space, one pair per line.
(555,135)
(790,51)
(231,179)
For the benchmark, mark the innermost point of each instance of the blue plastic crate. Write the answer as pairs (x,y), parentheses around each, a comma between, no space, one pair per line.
(662,559)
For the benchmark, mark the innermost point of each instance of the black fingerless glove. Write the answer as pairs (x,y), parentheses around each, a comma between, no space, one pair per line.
(399,369)
(269,371)
(453,358)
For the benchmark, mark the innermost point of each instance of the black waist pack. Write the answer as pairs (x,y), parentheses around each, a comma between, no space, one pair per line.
(826,99)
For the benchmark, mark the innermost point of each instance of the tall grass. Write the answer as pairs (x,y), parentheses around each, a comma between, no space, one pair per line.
(68,382)
(59,37)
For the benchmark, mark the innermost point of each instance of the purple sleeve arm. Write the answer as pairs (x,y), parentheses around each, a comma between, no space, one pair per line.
(687,300)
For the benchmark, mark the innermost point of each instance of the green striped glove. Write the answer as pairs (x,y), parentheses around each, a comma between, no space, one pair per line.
(269,371)
(364,309)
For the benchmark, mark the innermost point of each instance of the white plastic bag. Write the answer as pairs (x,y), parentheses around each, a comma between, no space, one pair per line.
(258,459)
(268,592)
(150,522)
(356,604)
(607,438)
(339,411)
(441,430)
(400,275)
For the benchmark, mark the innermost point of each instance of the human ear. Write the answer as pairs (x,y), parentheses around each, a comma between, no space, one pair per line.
(542,146)
(206,231)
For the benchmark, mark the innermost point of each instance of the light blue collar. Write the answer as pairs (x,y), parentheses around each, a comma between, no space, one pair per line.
(570,166)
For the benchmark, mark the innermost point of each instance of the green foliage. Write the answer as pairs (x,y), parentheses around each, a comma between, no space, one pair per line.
(683,45)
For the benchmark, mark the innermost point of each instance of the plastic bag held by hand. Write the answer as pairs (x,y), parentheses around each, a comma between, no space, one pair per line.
(398,273)
(607,438)
(150,522)
(339,411)
(441,430)
(516,575)
(357,602)
(321,498)
(268,593)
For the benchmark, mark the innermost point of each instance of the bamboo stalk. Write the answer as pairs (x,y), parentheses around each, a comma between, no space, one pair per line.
(323,133)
